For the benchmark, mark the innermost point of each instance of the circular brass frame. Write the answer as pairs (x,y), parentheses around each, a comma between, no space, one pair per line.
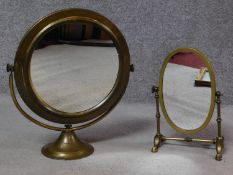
(213,90)
(23,60)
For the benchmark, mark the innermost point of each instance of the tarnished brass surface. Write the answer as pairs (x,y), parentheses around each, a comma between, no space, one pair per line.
(67,147)
(213,90)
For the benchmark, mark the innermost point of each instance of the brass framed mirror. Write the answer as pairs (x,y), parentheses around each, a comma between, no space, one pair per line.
(71,68)
(187,96)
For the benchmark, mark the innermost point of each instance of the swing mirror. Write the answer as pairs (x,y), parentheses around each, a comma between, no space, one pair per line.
(187,88)
(71,68)
(187,97)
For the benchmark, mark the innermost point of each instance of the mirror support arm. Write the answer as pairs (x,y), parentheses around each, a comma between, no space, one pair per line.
(158,137)
(220,138)
(10,68)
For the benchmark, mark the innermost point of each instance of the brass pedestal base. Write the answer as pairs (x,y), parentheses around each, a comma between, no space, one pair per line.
(67,147)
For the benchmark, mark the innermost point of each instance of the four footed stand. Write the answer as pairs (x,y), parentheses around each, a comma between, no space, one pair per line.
(218,141)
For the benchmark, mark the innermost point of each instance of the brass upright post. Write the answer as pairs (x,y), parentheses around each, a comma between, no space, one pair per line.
(219,138)
(158,136)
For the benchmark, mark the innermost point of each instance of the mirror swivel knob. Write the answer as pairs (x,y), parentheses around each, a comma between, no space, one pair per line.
(218,94)
(9,68)
(154,89)
(131,68)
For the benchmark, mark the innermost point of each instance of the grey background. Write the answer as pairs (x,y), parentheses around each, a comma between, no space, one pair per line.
(152,29)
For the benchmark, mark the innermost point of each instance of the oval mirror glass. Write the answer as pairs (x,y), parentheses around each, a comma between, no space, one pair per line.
(188,90)
(74,66)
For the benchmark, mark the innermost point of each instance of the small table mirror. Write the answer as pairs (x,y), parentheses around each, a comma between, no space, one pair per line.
(187,97)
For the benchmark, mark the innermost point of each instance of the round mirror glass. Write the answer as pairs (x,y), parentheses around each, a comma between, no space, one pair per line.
(187,90)
(74,66)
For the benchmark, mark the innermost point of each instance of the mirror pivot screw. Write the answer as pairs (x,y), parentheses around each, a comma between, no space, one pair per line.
(154,89)
(68,126)
(218,93)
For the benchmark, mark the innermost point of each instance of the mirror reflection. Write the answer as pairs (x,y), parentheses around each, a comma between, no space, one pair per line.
(74,66)
(186,90)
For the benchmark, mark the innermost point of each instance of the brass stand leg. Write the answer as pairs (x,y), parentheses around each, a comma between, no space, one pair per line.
(158,136)
(219,139)
(157,142)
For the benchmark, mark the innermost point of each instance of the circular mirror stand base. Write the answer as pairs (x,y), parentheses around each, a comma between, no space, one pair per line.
(67,147)
(218,141)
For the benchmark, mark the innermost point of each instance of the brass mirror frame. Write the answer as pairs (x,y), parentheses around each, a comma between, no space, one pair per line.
(23,59)
(159,138)
(213,91)
(67,146)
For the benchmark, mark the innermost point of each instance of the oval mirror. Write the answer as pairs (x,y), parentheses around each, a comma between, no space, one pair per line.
(187,90)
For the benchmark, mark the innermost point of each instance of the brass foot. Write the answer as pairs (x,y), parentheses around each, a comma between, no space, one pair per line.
(218,157)
(67,147)
(219,148)
(157,142)
(154,149)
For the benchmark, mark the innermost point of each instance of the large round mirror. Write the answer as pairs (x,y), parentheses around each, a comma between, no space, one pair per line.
(187,90)
(71,67)
(74,66)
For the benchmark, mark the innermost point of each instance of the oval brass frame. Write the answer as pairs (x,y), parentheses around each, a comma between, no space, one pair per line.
(23,59)
(213,90)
